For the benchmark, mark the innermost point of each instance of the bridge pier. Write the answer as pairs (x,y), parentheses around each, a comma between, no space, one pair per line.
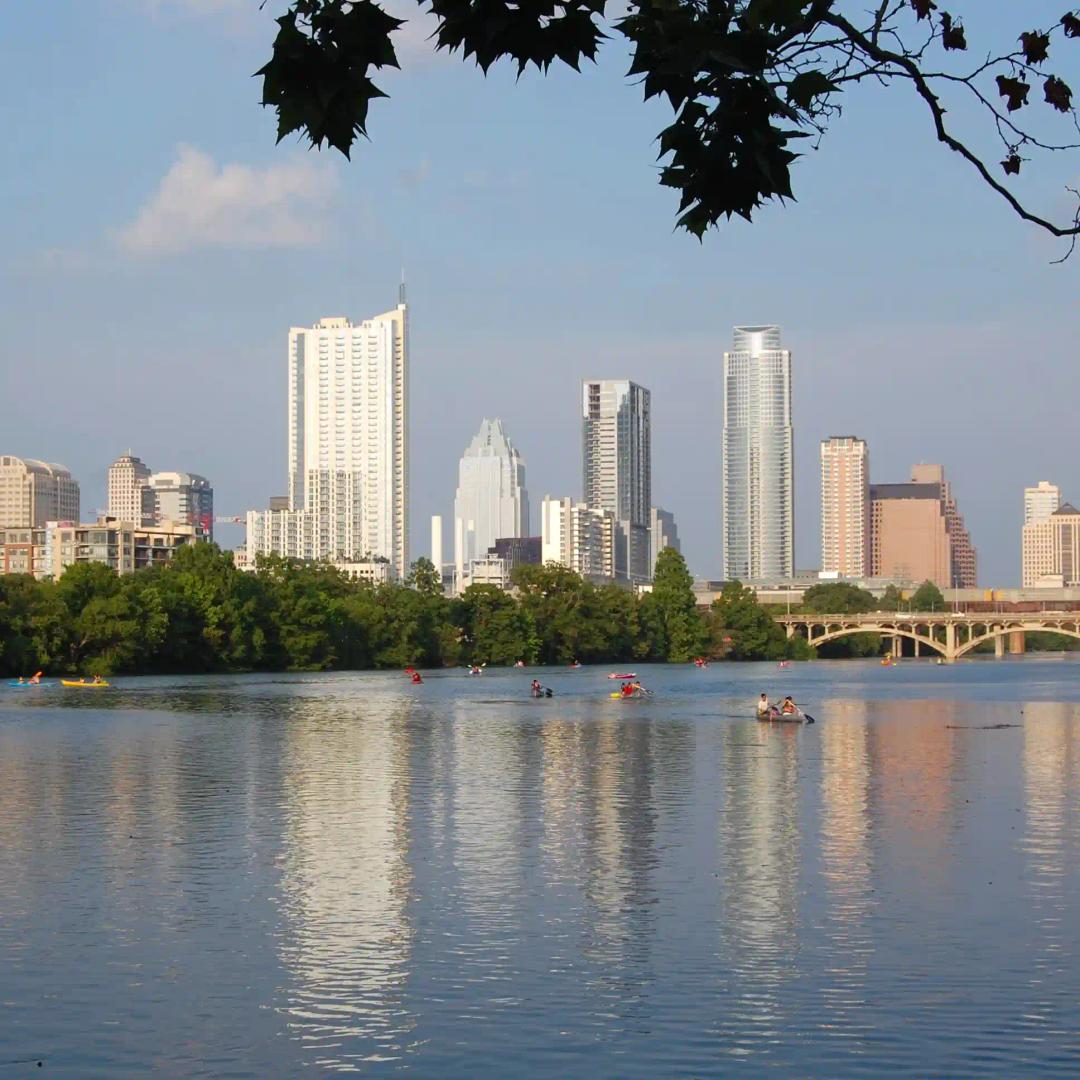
(1017,643)
(999,647)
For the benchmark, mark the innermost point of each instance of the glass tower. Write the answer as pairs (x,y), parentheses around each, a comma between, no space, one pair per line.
(757,472)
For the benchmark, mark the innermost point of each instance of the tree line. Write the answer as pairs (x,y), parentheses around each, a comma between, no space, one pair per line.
(199,613)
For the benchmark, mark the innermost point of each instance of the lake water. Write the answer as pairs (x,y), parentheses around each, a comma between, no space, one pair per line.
(282,876)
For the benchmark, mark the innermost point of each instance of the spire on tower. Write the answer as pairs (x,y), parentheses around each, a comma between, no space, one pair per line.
(401,288)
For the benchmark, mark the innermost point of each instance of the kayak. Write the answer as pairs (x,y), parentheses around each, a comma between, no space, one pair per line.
(83,685)
(23,685)
(625,675)
(635,696)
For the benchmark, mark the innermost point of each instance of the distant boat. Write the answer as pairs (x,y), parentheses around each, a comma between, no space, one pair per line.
(82,684)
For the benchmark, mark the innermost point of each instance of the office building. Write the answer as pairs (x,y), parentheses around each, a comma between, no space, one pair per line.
(759,513)
(616,419)
(1041,501)
(491,499)
(1051,550)
(845,507)
(662,534)
(183,498)
(34,492)
(918,534)
(576,536)
(130,497)
(518,551)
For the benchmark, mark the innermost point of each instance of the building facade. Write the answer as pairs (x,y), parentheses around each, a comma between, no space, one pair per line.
(183,498)
(617,466)
(33,492)
(348,435)
(1051,550)
(758,493)
(578,537)
(130,497)
(491,499)
(918,534)
(845,507)
(121,545)
(1041,501)
(662,534)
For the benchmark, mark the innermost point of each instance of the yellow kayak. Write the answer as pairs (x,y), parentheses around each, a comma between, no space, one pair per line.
(83,684)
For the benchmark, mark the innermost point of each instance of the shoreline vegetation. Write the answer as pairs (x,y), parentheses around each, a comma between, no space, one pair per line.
(200,615)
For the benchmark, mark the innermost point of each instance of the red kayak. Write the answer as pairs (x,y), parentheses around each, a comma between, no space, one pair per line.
(627,675)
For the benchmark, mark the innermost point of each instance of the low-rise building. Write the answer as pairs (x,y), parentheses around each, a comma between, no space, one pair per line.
(121,545)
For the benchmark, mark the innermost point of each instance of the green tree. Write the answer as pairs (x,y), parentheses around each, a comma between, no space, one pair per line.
(554,598)
(842,598)
(742,629)
(928,597)
(670,611)
(837,598)
(494,628)
(425,578)
(892,600)
(746,80)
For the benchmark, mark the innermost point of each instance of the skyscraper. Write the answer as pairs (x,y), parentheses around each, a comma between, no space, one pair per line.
(757,482)
(130,497)
(1041,501)
(662,534)
(35,492)
(845,507)
(491,500)
(348,437)
(617,466)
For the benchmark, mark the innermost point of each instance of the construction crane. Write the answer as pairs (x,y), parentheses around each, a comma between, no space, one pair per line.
(230,521)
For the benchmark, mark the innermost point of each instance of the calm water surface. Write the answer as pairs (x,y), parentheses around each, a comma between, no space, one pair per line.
(299,875)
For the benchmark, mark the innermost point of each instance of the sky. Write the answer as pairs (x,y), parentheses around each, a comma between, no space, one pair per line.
(158,245)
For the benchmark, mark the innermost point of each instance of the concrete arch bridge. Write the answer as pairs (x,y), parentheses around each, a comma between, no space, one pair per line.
(951,634)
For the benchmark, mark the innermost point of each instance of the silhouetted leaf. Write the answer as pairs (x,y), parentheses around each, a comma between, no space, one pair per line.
(1058,94)
(808,85)
(952,34)
(1036,46)
(1015,91)
(923,8)
(1011,164)
(1071,24)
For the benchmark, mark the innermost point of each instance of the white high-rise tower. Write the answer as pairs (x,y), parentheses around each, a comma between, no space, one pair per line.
(758,497)
(348,435)
(491,500)
(130,497)
(616,419)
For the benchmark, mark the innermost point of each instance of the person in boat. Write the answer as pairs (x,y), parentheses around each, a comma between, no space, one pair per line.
(763,705)
(537,689)
(474,670)
(627,689)
(520,663)
(416,677)
(788,707)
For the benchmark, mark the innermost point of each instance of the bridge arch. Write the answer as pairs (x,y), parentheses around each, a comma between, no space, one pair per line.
(997,631)
(888,631)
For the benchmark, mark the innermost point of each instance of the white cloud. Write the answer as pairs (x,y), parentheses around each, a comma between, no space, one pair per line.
(199,204)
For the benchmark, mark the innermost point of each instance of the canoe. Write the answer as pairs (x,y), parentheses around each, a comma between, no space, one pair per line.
(83,685)
(626,675)
(774,717)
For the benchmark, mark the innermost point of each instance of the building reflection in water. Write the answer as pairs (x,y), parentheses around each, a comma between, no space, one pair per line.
(600,838)
(759,836)
(846,858)
(1051,764)
(346,940)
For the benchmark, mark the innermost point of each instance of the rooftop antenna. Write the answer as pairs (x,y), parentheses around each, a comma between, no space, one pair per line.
(401,288)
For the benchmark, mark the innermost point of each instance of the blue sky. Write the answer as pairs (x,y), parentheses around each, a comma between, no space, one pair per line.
(158,245)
